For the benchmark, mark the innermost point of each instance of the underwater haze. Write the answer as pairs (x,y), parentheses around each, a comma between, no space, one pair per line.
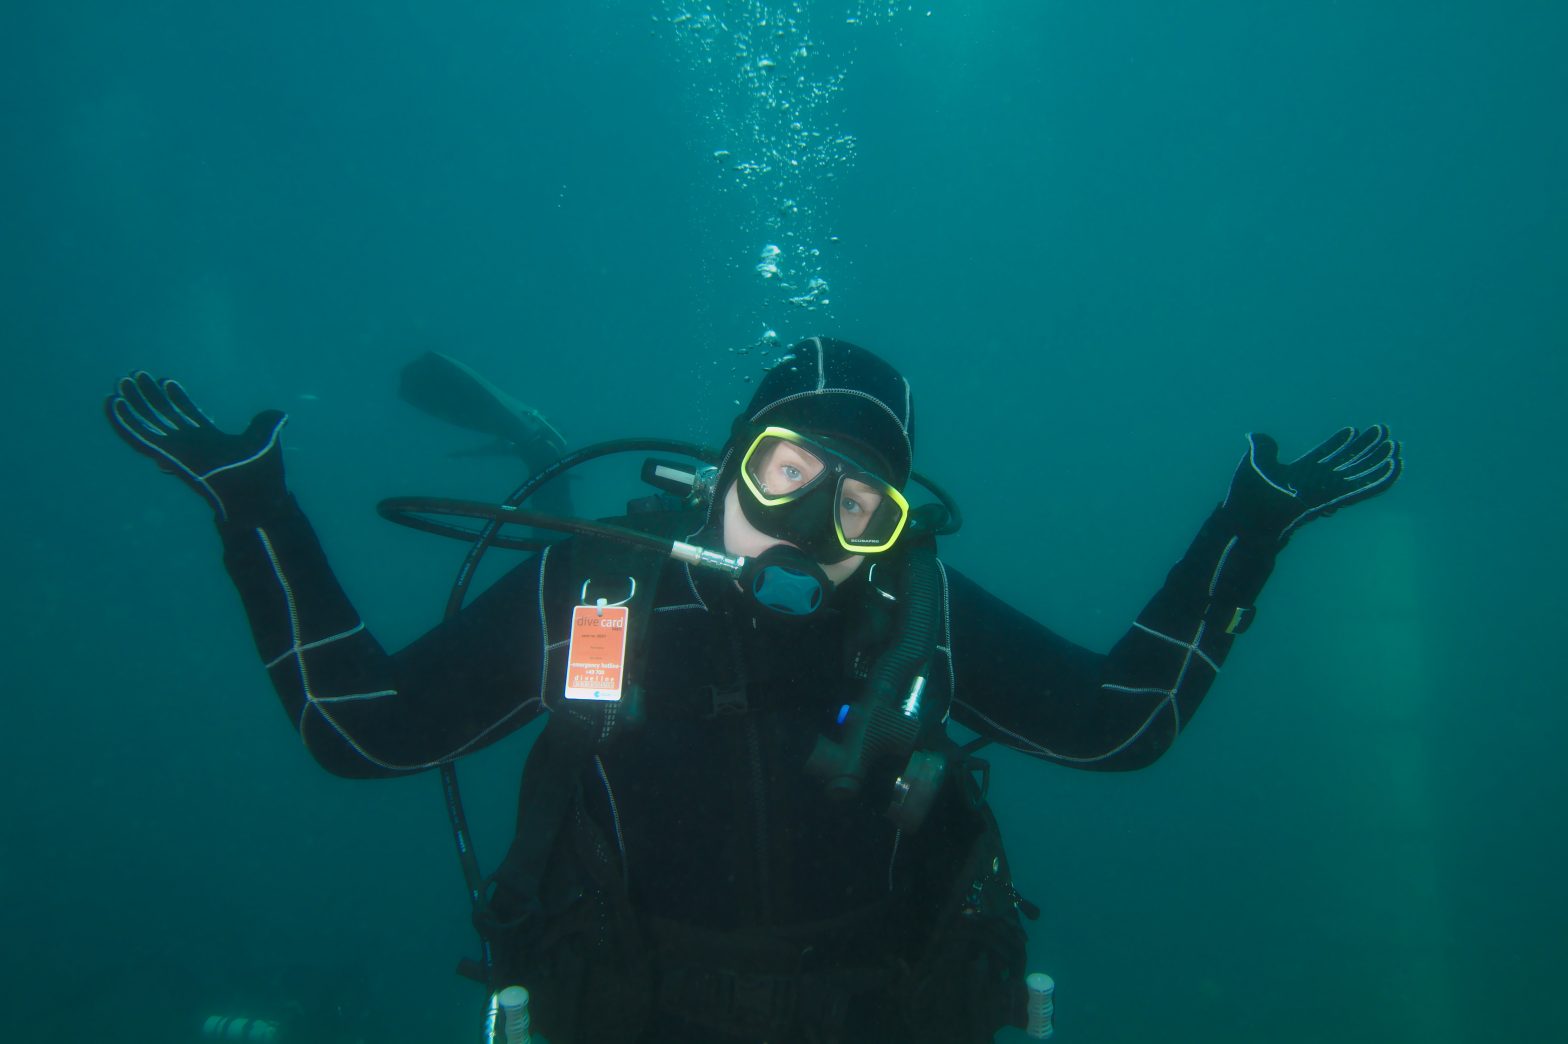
(1104,240)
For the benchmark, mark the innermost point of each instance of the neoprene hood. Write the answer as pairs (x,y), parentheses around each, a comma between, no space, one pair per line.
(837,389)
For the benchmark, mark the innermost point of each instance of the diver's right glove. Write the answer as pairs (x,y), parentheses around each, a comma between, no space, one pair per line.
(240,475)
(1273,499)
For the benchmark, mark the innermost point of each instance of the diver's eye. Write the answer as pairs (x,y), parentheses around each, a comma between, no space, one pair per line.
(781,468)
(851,506)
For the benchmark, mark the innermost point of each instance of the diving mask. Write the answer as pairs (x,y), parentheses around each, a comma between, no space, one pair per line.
(804,491)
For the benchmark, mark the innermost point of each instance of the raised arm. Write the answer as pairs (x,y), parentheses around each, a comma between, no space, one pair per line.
(1028,688)
(360,711)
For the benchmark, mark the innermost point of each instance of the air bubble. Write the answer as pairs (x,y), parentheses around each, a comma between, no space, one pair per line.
(763,80)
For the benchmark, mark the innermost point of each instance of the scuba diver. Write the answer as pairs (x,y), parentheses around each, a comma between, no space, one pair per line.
(744,818)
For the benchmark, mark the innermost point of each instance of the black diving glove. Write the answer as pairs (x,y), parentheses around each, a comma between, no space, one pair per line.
(1269,498)
(241,475)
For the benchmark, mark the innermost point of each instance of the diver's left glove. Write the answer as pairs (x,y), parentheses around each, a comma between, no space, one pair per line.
(1274,499)
(240,475)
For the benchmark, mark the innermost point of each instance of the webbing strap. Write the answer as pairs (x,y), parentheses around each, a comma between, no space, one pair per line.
(767,985)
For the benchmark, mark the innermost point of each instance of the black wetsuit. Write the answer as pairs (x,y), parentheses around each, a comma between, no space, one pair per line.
(715,822)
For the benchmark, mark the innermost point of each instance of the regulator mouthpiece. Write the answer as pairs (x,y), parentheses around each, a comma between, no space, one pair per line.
(785,582)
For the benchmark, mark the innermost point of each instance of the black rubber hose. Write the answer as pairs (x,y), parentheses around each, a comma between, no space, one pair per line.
(465,572)
(407,511)
(919,602)
(955,518)
(410,511)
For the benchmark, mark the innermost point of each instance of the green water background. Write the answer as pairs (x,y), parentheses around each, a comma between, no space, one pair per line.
(1103,240)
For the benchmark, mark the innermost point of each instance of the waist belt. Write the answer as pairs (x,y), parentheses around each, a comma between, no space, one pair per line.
(721,701)
(766,985)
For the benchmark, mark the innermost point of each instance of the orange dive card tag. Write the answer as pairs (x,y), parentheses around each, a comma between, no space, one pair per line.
(596,658)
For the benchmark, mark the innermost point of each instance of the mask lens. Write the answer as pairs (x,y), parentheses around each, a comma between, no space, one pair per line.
(870,513)
(781,470)
(816,496)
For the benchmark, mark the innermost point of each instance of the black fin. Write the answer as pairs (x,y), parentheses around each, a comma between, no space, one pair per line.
(451,391)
